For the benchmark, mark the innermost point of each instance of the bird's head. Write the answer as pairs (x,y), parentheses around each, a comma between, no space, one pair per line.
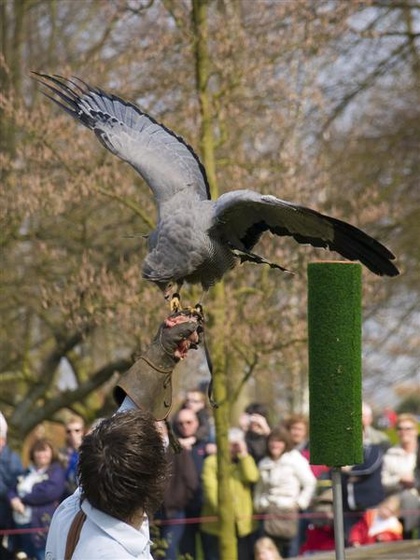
(167,288)
(166,285)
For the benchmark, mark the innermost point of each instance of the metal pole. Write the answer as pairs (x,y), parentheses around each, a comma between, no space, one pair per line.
(338,514)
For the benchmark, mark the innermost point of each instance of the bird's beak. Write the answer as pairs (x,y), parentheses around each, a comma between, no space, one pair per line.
(167,293)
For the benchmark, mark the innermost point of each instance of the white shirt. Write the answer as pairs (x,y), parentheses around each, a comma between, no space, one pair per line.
(381,525)
(397,464)
(102,537)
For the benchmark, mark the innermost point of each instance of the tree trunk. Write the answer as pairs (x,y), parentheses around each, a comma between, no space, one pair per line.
(227,540)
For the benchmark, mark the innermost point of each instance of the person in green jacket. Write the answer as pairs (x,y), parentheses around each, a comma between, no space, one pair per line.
(244,474)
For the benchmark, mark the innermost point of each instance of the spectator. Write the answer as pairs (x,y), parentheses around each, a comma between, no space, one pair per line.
(399,471)
(183,483)
(196,400)
(319,535)
(187,425)
(380,524)
(122,464)
(36,496)
(266,549)
(388,419)
(10,468)
(254,422)
(298,427)
(362,485)
(243,474)
(286,484)
(69,455)
(370,434)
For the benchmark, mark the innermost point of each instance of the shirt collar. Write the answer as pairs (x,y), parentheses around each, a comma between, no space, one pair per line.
(135,541)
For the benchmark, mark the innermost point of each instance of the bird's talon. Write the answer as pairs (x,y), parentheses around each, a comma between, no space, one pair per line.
(175,303)
(198,311)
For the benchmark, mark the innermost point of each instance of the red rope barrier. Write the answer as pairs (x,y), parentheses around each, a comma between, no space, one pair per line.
(23,531)
(262,516)
(214,519)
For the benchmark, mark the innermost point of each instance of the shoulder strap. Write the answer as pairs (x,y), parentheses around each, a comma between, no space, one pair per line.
(74,534)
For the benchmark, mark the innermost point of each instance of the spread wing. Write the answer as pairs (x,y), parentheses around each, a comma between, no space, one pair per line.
(167,163)
(242,216)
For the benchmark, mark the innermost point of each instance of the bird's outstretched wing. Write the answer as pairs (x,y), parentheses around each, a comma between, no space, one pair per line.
(242,216)
(167,163)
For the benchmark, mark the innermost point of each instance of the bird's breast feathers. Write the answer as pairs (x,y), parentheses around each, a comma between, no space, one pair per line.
(179,244)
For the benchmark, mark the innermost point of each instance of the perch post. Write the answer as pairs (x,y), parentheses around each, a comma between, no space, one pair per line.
(335,374)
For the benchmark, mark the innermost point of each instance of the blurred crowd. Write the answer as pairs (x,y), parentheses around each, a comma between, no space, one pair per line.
(283,505)
(29,496)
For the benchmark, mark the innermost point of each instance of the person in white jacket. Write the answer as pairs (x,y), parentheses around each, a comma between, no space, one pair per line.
(401,471)
(286,481)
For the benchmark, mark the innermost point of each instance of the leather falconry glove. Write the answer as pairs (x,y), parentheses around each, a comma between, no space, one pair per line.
(148,382)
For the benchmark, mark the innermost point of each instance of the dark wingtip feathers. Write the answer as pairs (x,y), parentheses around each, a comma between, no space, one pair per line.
(354,244)
(67,94)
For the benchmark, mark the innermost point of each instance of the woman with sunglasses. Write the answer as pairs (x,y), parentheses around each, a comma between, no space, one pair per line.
(401,471)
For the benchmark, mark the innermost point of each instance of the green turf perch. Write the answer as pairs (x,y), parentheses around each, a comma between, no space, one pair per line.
(335,376)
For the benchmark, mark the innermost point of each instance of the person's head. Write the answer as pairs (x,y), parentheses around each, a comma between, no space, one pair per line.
(122,465)
(42,453)
(195,400)
(257,418)
(322,506)
(297,426)
(265,549)
(75,430)
(3,431)
(407,429)
(390,507)
(187,422)
(278,442)
(367,415)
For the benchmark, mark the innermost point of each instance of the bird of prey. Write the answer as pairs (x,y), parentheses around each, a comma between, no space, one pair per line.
(197,239)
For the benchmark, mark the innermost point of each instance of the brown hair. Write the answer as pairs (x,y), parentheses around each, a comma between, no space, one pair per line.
(295,419)
(122,465)
(41,444)
(280,434)
(75,420)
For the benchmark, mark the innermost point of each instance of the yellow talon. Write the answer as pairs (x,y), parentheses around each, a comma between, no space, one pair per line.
(176,307)
(175,303)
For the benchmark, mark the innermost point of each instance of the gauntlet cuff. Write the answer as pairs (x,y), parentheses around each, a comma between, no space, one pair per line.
(148,383)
